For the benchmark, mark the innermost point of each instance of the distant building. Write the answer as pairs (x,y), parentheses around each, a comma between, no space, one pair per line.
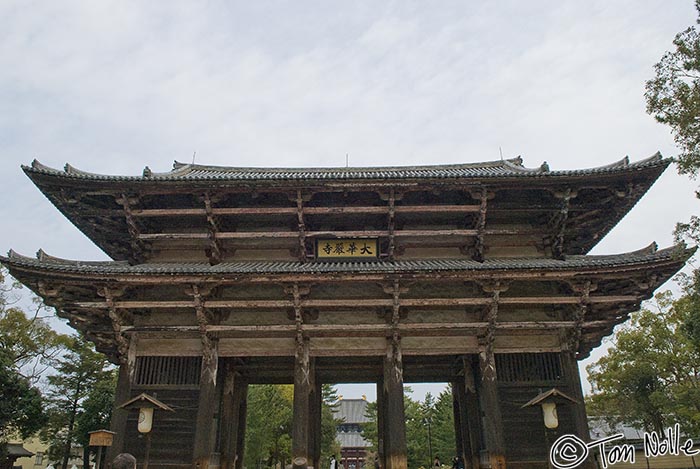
(634,437)
(37,457)
(353,448)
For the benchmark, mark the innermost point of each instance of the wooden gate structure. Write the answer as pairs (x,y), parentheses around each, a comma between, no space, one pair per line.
(472,274)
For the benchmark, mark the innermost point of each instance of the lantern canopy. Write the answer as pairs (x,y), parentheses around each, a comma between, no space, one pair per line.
(145,404)
(549,400)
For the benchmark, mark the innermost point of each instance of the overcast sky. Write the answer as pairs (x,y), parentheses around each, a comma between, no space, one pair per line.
(114,86)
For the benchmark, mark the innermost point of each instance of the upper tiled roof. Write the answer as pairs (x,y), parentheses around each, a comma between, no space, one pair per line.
(643,256)
(492,169)
(351,411)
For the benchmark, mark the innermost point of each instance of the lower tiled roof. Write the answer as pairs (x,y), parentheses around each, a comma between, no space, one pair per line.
(647,255)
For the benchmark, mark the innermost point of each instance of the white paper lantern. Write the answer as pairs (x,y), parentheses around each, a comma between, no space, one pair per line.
(145,419)
(551,420)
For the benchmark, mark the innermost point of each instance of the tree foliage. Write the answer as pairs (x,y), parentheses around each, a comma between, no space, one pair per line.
(27,346)
(269,425)
(28,342)
(434,413)
(650,376)
(80,373)
(673,96)
(21,412)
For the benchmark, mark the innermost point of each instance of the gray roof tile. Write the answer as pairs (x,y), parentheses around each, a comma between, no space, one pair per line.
(54,264)
(492,169)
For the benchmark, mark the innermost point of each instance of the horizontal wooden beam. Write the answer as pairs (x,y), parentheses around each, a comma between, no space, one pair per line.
(179,212)
(351,302)
(382,209)
(361,329)
(332,234)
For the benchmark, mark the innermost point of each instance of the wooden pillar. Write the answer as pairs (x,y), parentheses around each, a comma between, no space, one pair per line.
(395,419)
(205,431)
(301,425)
(493,422)
(242,399)
(573,378)
(462,431)
(381,429)
(231,402)
(119,416)
(315,403)
(459,420)
(473,413)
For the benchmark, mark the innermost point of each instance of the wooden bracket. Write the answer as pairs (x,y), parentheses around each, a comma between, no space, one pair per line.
(138,247)
(214,251)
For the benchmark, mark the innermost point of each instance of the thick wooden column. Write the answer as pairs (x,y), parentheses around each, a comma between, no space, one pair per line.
(493,422)
(119,416)
(242,393)
(473,413)
(573,378)
(303,388)
(315,403)
(395,419)
(460,418)
(205,431)
(127,368)
(381,428)
(232,398)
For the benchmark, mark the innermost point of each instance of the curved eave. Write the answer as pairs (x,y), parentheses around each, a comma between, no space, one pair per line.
(44,265)
(192,178)
(501,169)
(47,275)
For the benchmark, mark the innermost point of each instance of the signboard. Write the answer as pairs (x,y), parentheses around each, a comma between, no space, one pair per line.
(101,438)
(346,248)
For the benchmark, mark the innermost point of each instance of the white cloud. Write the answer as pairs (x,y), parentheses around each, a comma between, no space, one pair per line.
(114,86)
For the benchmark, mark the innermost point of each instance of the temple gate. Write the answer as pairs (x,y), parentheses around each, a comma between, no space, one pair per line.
(472,274)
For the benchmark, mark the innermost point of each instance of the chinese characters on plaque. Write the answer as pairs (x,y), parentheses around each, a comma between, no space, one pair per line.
(346,248)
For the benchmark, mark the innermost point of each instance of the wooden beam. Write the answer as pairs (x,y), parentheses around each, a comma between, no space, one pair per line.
(391,223)
(558,223)
(348,330)
(224,211)
(135,240)
(351,303)
(457,233)
(481,226)
(303,254)
(301,423)
(214,252)
(396,450)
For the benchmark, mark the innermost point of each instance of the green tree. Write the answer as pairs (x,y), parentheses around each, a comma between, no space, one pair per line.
(650,376)
(441,417)
(78,373)
(673,96)
(21,412)
(443,427)
(96,411)
(269,431)
(329,424)
(27,346)
(28,342)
